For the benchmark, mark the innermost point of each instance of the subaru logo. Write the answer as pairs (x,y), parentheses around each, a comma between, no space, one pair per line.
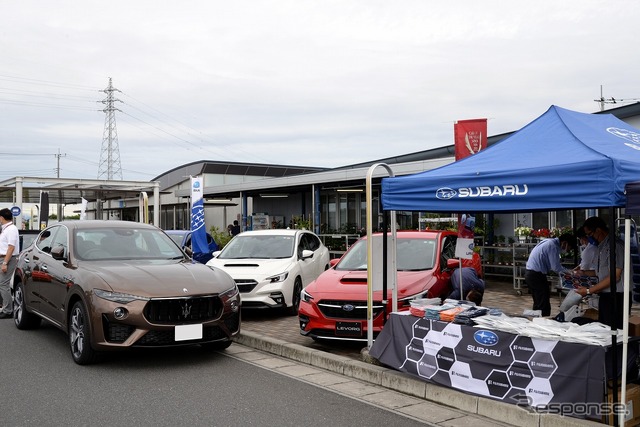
(348,307)
(625,134)
(486,338)
(445,193)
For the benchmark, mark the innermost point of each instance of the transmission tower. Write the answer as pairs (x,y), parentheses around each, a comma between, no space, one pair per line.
(110,167)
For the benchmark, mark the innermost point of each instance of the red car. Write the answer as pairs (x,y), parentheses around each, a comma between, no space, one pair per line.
(334,306)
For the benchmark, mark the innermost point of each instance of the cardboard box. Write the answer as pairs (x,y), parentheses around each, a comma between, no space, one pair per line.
(633,405)
(591,313)
(634,326)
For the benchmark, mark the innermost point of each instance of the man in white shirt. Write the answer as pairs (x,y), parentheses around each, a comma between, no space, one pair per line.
(9,244)
(588,265)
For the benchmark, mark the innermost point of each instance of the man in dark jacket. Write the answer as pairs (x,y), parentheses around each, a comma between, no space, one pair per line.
(472,285)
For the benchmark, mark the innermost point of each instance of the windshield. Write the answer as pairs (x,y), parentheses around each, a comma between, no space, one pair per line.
(26,240)
(411,254)
(176,238)
(129,243)
(245,246)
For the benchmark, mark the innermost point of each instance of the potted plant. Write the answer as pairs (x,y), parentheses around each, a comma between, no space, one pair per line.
(559,231)
(541,233)
(523,233)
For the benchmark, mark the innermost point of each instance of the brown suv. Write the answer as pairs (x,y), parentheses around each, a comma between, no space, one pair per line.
(116,284)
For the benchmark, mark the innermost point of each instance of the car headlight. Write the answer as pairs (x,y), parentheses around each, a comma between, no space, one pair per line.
(405,302)
(278,277)
(230,293)
(305,296)
(118,297)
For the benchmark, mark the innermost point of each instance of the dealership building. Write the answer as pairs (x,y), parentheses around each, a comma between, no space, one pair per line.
(325,200)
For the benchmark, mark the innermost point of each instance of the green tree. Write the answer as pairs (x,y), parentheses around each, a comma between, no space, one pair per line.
(221,237)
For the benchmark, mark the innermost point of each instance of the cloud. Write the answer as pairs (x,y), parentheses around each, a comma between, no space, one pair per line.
(318,83)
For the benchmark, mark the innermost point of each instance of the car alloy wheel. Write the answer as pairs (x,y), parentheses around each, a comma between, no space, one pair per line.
(22,318)
(79,335)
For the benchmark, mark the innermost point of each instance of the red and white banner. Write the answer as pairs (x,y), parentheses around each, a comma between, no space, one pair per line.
(470,137)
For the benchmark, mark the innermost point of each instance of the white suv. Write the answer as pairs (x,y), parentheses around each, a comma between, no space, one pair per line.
(271,267)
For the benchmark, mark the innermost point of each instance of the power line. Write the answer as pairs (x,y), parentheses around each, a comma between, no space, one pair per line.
(42,104)
(45,82)
(162,126)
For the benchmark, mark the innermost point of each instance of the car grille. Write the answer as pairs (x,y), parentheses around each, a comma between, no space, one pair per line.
(328,334)
(246,285)
(199,309)
(116,332)
(167,338)
(340,309)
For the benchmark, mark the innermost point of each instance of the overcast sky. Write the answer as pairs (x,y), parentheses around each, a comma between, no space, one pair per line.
(313,83)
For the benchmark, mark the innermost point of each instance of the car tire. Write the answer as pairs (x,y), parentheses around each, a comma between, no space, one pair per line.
(295,298)
(217,346)
(22,318)
(80,335)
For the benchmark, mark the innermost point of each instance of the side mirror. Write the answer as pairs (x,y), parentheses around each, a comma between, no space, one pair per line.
(333,262)
(453,263)
(58,253)
(215,254)
(306,254)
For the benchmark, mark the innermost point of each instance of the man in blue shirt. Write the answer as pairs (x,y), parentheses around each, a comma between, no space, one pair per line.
(545,258)
(472,285)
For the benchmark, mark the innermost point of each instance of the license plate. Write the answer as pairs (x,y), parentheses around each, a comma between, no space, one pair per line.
(188,332)
(349,329)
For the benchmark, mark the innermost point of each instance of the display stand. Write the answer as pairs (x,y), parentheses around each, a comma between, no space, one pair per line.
(509,261)
(521,253)
(512,368)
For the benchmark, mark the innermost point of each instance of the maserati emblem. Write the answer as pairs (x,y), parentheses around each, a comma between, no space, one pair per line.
(186,309)
(348,307)
(185,290)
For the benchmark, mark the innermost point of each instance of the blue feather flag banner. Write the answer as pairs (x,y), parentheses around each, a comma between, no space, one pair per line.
(198,230)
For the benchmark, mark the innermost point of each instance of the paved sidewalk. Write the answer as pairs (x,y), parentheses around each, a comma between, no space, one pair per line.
(279,335)
(367,383)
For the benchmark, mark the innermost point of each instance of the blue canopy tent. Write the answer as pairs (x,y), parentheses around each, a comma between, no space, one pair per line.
(561,160)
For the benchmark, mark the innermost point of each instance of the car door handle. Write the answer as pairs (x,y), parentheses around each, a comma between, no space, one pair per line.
(44,268)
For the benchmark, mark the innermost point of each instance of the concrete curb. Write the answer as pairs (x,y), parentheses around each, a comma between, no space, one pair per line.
(370,370)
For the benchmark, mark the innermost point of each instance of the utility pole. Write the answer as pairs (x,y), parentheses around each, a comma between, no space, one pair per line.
(58,162)
(602,100)
(60,201)
(110,167)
